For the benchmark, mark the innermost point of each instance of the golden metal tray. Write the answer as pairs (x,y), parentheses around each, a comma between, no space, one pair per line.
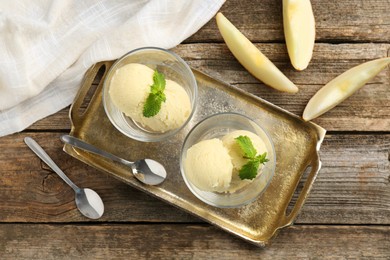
(296,143)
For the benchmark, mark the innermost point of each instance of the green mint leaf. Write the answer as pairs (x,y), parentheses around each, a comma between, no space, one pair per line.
(262,158)
(249,170)
(161,96)
(152,105)
(158,82)
(156,96)
(246,146)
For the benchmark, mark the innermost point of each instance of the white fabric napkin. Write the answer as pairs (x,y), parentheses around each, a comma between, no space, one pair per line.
(47,45)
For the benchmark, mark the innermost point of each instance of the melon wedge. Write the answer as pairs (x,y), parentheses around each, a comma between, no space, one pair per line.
(299,31)
(343,86)
(251,58)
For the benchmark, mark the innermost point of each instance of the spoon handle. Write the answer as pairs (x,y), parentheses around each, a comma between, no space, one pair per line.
(93,149)
(38,150)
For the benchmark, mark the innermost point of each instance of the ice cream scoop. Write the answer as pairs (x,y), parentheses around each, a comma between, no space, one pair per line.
(214,164)
(254,181)
(129,89)
(208,165)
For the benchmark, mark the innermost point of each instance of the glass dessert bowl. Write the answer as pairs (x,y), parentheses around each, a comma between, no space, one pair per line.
(227,160)
(149,94)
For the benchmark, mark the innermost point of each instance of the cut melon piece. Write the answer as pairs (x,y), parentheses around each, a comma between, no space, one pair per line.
(299,31)
(251,58)
(343,86)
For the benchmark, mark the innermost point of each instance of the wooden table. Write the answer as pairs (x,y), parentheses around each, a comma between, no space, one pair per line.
(347,214)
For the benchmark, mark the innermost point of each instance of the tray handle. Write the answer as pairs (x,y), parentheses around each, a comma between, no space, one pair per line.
(74,113)
(315,164)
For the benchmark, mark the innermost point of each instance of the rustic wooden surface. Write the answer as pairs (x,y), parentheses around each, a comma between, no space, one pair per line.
(347,214)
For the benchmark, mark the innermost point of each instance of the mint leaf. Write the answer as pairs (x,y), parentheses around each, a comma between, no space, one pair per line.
(249,170)
(158,82)
(262,158)
(152,105)
(156,96)
(246,146)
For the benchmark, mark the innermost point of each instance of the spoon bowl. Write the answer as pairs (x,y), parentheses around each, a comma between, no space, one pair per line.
(88,201)
(147,171)
(85,198)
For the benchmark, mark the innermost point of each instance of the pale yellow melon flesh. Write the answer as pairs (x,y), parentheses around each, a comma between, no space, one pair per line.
(343,86)
(251,58)
(299,31)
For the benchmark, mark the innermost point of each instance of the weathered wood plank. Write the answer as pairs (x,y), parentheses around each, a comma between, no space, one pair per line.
(336,21)
(366,110)
(164,241)
(354,180)
(352,187)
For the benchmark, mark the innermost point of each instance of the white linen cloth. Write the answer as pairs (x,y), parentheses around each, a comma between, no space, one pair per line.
(47,45)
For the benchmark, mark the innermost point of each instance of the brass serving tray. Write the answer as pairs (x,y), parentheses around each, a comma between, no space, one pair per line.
(296,143)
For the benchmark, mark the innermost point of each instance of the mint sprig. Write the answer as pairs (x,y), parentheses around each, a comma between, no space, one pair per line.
(250,169)
(156,96)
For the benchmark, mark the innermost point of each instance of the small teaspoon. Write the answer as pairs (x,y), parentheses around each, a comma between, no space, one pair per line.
(88,201)
(147,171)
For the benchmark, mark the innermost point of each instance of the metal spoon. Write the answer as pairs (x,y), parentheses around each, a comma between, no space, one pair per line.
(88,201)
(147,171)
